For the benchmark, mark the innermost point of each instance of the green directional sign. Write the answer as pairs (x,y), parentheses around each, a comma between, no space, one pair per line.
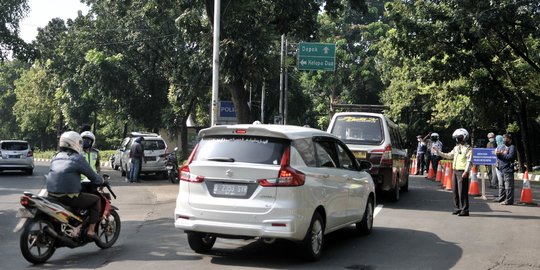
(316,56)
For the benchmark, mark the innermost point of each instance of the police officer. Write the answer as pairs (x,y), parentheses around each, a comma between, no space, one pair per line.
(461,156)
(436,144)
(90,153)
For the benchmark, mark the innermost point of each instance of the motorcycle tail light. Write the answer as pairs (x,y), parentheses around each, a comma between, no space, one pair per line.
(25,201)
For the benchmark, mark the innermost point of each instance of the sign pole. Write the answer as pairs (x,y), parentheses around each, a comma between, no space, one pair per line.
(483,187)
(215,63)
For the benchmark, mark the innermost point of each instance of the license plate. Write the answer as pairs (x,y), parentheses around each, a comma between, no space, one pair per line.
(150,158)
(231,190)
(20,225)
(14,156)
(360,154)
(169,167)
(24,213)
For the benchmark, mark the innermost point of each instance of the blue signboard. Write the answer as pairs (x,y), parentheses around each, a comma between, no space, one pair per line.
(484,156)
(227,110)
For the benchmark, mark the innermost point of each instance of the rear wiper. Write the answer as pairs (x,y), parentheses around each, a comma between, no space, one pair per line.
(222,159)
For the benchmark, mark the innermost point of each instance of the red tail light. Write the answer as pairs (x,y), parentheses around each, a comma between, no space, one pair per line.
(185,174)
(30,154)
(386,158)
(287,176)
(25,201)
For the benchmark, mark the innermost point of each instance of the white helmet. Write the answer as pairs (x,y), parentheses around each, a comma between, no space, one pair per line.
(89,135)
(460,132)
(71,140)
(435,134)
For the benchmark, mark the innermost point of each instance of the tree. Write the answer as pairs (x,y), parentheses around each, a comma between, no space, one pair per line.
(35,107)
(480,42)
(11,12)
(10,71)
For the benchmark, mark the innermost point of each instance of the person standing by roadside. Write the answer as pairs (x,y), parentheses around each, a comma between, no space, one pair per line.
(490,169)
(500,184)
(437,145)
(420,155)
(461,156)
(506,156)
(136,155)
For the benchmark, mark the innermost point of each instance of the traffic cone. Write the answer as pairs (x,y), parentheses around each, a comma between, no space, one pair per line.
(526,192)
(413,167)
(473,186)
(445,176)
(439,174)
(449,179)
(431,173)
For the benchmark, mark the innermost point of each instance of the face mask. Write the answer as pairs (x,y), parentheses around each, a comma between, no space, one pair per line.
(434,139)
(507,143)
(86,144)
(459,139)
(491,139)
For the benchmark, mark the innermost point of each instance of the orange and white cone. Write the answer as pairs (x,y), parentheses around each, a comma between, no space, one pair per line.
(431,173)
(449,179)
(473,186)
(445,176)
(526,192)
(438,176)
(413,165)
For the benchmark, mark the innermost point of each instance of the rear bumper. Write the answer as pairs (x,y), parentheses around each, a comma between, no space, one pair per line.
(287,228)
(6,164)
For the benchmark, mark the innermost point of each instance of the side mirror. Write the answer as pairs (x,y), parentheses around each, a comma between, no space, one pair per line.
(365,165)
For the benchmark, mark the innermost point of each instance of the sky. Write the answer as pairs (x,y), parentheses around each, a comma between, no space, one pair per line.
(42,11)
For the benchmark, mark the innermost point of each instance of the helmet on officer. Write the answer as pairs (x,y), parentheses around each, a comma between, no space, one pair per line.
(71,140)
(88,139)
(434,136)
(460,135)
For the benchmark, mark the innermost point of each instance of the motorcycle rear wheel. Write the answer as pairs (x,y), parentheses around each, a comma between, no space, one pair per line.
(36,245)
(108,230)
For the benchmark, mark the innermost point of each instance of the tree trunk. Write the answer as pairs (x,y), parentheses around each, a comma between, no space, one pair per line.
(240,98)
(524,128)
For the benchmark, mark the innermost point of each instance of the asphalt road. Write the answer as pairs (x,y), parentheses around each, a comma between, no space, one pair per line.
(418,232)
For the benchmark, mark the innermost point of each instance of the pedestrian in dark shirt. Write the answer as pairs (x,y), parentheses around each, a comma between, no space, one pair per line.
(136,155)
(506,156)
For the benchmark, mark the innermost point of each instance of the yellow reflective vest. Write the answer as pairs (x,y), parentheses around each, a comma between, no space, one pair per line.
(92,158)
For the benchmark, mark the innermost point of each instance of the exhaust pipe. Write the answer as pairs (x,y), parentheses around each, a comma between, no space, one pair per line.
(65,240)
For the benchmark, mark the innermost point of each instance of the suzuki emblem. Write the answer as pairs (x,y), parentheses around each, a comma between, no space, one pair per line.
(229,173)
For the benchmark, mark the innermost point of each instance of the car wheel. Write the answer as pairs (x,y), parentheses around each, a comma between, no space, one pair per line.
(122,171)
(365,226)
(394,193)
(313,242)
(201,242)
(405,188)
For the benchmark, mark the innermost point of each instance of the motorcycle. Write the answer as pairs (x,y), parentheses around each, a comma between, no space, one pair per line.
(47,224)
(172,167)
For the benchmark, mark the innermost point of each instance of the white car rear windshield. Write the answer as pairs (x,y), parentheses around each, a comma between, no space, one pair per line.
(14,146)
(153,144)
(359,129)
(250,149)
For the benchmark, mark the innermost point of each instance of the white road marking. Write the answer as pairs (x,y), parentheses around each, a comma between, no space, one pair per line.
(377,210)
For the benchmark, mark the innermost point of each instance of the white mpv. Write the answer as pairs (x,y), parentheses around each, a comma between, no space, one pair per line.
(272,181)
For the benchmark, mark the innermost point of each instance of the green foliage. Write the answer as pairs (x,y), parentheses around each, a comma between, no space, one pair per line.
(11,12)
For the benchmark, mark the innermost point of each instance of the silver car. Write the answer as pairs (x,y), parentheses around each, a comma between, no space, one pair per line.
(155,152)
(272,181)
(16,155)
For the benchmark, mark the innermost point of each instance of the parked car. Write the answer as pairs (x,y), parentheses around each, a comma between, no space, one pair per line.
(272,181)
(374,137)
(16,155)
(116,160)
(155,152)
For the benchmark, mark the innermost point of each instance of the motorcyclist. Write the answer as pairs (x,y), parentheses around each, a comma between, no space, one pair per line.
(64,179)
(90,153)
